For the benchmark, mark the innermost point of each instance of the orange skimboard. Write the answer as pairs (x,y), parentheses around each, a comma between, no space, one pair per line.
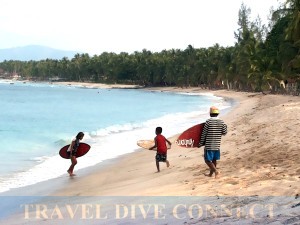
(146,144)
(190,138)
(83,148)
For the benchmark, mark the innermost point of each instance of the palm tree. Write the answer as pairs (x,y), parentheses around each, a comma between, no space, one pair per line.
(290,47)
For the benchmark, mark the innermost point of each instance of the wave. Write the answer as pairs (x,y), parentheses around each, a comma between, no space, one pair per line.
(106,143)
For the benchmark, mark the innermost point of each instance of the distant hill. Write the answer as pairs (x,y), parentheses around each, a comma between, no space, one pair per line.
(34,52)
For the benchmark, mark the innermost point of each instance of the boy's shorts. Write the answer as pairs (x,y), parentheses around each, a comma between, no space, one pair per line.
(161,157)
(210,155)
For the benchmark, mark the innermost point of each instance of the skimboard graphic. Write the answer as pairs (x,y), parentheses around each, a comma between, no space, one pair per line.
(83,148)
(190,138)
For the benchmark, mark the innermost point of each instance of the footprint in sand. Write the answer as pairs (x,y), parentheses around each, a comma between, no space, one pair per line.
(231,181)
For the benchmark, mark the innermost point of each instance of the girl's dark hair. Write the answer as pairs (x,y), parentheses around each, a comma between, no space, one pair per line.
(79,135)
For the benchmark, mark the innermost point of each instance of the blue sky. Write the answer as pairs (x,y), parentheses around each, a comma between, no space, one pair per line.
(95,26)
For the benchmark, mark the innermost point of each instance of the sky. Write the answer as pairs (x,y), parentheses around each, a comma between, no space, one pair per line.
(96,26)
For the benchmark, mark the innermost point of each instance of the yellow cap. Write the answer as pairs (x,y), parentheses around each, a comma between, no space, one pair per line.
(214,110)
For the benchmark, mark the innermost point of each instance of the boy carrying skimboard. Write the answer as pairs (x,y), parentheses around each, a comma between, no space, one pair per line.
(160,144)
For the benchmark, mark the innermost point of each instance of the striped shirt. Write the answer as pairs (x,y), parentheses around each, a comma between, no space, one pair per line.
(212,132)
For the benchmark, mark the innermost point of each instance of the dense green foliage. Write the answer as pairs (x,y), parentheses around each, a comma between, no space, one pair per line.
(260,60)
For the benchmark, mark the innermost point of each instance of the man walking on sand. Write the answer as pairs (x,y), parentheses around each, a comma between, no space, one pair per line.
(211,135)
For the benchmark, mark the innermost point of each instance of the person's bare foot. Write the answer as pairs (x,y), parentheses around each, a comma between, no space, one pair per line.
(71,174)
(217,173)
(211,172)
(168,164)
(208,174)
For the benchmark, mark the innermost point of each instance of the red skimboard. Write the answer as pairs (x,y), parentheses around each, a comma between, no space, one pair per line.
(191,137)
(83,148)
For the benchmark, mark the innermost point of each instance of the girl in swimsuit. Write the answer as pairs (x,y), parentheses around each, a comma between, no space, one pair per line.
(72,152)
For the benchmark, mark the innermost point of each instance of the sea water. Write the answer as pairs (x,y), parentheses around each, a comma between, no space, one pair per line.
(37,119)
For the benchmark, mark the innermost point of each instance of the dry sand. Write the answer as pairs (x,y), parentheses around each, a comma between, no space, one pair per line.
(259,157)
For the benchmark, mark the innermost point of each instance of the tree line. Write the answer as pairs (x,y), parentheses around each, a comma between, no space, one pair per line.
(264,57)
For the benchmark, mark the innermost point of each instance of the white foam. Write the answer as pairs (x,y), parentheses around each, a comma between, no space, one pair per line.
(106,143)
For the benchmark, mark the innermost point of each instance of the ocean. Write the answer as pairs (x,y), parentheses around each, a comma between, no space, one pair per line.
(37,119)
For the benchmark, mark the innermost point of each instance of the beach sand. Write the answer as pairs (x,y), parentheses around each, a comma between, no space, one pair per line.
(260,154)
(260,157)
(98,85)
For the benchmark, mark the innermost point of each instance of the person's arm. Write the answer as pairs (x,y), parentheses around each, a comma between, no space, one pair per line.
(71,148)
(154,146)
(203,135)
(224,129)
(168,142)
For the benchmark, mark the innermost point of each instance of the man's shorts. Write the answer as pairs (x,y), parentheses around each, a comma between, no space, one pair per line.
(161,157)
(210,155)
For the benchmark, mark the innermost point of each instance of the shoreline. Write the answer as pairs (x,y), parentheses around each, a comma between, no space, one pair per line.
(39,186)
(98,85)
(259,158)
(244,104)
